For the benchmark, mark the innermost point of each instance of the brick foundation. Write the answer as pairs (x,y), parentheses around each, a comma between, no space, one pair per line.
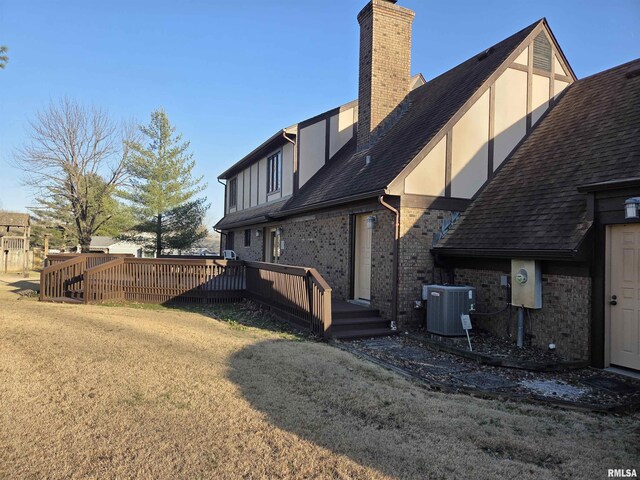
(416,266)
(565,317)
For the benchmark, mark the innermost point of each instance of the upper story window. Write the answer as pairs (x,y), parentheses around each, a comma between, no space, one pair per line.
(274,172)
(233,192)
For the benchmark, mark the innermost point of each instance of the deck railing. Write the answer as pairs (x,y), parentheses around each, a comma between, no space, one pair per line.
(93,259)
(298,294)
(64,274)
(12,243)
(63,279)
(103,282)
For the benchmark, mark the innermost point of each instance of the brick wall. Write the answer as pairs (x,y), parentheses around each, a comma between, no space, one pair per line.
(565,317)
(385,63)
(323,241)
(252,253)
(416,266)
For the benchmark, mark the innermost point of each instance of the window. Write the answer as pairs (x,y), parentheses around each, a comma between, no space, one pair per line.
(247,237)
(229,243)
(233,192)
(274,172)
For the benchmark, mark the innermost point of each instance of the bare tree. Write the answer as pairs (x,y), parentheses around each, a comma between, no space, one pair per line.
(75,160)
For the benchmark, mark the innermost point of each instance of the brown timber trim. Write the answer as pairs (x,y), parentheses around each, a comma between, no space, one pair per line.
(327,114)
(492,117)
(530,89)
(296,163)
(327,139)
(598,330)
(397,185)
(250,184)
(518,66)
(542,73)
(553,71)
(564,78)
(438,203)
(448,163)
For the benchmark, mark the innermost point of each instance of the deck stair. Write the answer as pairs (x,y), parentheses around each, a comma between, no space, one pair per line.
(352,321)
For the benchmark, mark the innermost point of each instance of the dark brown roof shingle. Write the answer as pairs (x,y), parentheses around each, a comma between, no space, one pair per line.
(250,216)
(430,107)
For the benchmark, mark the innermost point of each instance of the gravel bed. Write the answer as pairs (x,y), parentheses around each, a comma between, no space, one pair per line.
(584,387)
(485,343)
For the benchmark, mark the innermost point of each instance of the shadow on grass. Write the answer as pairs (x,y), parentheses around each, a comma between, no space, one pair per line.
(20,284)
(322,396)
(242,315)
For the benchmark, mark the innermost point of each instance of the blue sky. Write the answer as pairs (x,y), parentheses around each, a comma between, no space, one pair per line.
(229,73)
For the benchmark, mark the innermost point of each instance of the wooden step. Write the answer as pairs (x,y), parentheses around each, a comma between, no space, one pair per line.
(343,324)
(341,309)
(363,333)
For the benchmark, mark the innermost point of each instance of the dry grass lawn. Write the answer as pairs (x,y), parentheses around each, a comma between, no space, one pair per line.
(106,392)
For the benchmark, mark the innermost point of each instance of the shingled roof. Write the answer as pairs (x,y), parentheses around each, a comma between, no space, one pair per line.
(533,205)
(13,219)
(250,216)
(430,107)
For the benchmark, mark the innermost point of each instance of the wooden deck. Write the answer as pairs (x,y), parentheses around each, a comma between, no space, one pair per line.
(298,295)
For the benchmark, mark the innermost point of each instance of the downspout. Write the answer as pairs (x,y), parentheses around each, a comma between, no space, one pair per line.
(284,134)
(394,271)
(225,212)
(295,160)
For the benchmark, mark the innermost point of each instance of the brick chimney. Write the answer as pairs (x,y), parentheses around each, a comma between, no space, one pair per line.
(385,63)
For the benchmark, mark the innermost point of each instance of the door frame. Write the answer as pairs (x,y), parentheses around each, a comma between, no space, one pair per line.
(607,292)
(354,253)
(268,244)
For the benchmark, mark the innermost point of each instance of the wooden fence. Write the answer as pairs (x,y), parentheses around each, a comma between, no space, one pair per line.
(298,294)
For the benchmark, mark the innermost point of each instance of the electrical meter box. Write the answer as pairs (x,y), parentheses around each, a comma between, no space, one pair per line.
(526,284)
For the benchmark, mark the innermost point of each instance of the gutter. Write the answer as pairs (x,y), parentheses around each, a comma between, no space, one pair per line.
(610,185)
(328,203)
(497,253)
(394,271)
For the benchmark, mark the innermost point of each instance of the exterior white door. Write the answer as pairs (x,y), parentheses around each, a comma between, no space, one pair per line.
(625,295)
(362,284)
(272,246)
